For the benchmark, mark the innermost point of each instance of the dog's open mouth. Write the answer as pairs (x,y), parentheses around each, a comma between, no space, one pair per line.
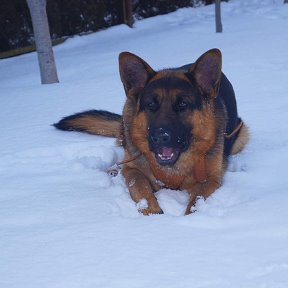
(167,155)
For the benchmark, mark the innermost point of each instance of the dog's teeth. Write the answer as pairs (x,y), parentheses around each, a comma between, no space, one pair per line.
(162,157)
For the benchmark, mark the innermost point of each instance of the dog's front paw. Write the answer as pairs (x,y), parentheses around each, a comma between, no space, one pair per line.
(190,210)
(191,207)
(149,207)
(150,211)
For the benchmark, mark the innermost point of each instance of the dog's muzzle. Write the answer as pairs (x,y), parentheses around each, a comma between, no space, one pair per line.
(167,145)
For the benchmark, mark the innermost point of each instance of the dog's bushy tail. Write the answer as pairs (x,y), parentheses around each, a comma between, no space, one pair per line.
(96,122)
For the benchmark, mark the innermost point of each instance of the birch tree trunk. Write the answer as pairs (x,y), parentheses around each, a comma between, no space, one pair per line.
(219,27)
(43,41)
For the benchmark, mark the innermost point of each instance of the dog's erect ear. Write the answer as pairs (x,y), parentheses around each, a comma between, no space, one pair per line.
(207,72)
(134,71)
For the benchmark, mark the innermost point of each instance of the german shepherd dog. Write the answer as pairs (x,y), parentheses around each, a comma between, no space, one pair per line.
(178,128)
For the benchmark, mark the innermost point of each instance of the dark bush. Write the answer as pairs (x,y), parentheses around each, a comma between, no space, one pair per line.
(70,17)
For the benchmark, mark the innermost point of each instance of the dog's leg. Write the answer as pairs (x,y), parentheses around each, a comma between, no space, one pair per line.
(201,190)
(215,168)
(140,189)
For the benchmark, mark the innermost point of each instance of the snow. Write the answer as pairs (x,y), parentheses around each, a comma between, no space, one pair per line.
(65,223)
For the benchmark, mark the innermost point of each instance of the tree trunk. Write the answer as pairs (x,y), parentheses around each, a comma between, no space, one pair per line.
(219,27)
(43,41)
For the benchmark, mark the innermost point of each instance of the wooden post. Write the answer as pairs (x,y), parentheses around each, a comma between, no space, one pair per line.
(219,27)
(128,13)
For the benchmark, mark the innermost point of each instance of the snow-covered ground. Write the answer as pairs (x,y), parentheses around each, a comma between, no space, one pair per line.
(65,224)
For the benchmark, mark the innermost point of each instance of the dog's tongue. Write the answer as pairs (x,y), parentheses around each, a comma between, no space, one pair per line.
(167,152)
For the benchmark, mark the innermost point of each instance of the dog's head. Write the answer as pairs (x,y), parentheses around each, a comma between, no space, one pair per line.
(162,104)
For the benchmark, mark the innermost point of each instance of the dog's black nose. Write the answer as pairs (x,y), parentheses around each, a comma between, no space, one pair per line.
(160,136)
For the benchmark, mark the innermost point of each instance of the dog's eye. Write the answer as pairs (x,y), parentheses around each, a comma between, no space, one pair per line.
(181,105)
(152,106)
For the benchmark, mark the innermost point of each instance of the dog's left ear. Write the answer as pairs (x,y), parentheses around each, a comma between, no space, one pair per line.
(207,72)
(134,71)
